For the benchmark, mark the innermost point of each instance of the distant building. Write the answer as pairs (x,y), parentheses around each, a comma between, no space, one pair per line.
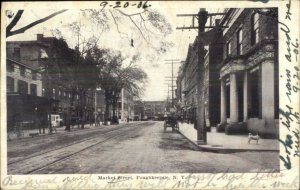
(126,105)
(154,109)
(187,84)
(139,110)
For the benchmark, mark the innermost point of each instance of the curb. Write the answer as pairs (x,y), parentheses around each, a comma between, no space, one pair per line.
(223,149)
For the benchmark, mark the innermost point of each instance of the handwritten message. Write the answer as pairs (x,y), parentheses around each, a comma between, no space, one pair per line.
(289,116)
(229,181)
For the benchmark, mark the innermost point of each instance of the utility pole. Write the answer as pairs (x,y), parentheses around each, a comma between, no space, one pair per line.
(173,61)
(202,18)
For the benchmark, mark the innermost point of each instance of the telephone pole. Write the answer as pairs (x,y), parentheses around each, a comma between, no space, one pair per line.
(173,61)
(202,18)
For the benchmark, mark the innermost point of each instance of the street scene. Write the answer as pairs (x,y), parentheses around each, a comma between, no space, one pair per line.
(129,87)
(139,147)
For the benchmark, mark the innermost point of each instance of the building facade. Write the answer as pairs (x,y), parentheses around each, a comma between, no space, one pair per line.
(126,106)
(139,111)
(154,109)
(249,70)
(240,73)
(44,58)
(187,84)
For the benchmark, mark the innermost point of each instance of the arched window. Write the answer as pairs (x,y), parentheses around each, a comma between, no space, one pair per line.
(254,28)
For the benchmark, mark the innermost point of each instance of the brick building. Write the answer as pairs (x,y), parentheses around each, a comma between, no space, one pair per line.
(138,110)
(249,71)
(154,109)
(187,79)
(240,73)
(43,58)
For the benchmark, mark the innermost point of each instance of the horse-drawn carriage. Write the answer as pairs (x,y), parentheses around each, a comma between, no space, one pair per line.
(171,121)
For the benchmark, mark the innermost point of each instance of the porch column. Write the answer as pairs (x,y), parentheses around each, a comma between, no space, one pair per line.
(267,90)
(234,109)
(245,96)
(223,101)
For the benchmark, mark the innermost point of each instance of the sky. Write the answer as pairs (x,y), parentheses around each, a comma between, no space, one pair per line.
(154,65)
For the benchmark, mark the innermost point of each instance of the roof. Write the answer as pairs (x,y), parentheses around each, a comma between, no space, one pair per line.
(19,63)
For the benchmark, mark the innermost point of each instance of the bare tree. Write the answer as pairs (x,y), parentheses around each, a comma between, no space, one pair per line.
(18,16)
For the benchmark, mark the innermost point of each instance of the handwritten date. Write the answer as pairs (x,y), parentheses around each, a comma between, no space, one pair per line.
(124,4)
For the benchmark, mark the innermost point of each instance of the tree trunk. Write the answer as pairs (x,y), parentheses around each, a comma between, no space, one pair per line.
(107,103)
(82,105)
(68,120)
(114,117)
(106,115)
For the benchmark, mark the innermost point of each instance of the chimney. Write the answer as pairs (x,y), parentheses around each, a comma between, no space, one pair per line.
(39,37)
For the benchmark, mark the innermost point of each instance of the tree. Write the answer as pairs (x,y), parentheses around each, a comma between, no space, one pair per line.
(112,63)
(17,17)
(131,79)
(115,76)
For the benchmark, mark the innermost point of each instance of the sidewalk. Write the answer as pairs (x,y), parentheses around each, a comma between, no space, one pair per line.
(220,142)
(27,132)
(59,130)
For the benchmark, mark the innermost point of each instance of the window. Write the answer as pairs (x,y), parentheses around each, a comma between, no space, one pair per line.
(254,28)
(22,70)
(240,41)
(33,89)
(33,75)
(10,84)
(10,67)
(17,53)
(22,87)
(228,48)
